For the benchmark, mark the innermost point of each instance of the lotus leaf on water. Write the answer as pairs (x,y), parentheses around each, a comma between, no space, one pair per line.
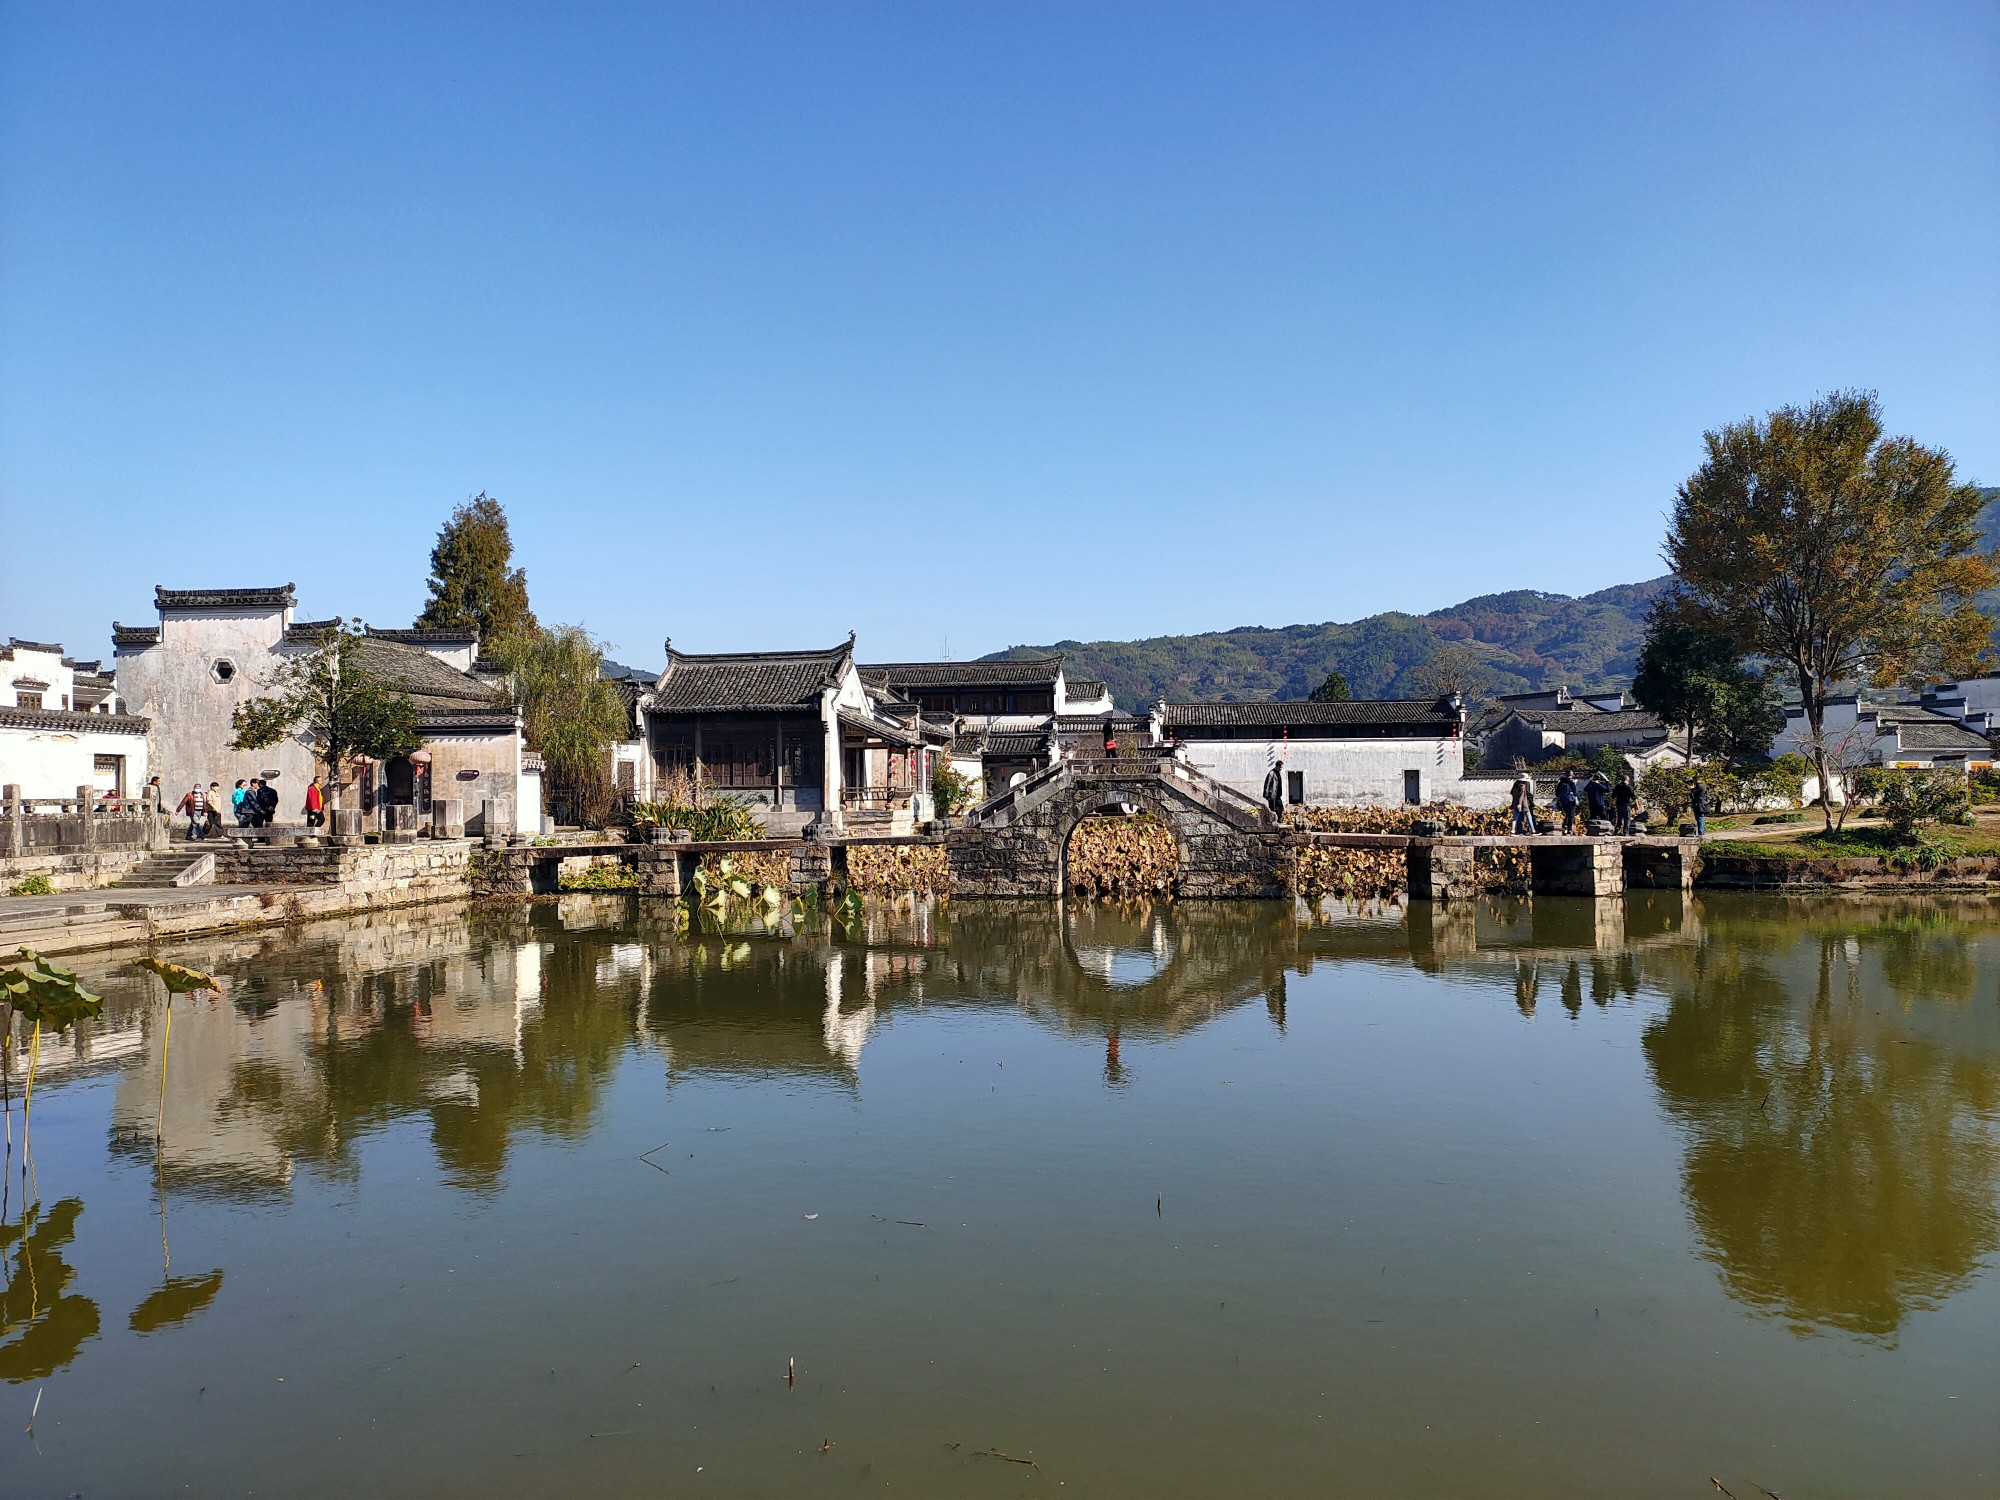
(46,995)
(178,980)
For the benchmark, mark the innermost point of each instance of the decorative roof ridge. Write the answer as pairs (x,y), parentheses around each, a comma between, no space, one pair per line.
(134,635)
(166,598)
(845,648)
(15,643)
(413,635)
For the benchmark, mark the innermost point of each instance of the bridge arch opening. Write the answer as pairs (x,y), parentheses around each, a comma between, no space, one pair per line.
(1120,851)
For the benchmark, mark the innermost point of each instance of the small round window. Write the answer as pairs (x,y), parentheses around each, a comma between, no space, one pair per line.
(224,670)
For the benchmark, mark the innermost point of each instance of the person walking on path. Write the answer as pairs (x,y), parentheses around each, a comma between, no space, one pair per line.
(1597,798)
(1110,742)
(1698,805)
(1621,807)
(195,806)
(267,801)
(1522,800)
(1566,801)
(315,805)
(215,807)
(1274,789)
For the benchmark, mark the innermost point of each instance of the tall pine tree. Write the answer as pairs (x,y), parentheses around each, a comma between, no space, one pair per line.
(472,584)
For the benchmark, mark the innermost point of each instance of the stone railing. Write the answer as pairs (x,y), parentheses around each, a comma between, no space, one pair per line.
(74,825)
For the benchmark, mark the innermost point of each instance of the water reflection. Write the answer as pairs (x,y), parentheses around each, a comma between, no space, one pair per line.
(1833,1071)
(42,1324)
(1839,1163)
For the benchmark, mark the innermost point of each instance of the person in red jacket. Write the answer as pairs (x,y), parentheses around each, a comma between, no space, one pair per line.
(315,805)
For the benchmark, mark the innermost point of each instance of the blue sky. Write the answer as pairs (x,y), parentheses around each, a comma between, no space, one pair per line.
(968,324)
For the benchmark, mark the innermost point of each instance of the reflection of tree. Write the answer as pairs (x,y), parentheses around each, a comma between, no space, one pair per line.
(1839,1175)
(41,1328)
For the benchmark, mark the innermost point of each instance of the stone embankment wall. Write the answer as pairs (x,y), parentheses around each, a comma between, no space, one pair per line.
(1744,872)
(71,872)
(370,874)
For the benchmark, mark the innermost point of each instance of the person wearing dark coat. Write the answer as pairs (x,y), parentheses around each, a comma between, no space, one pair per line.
(1521,797)
(267,803)
(1698,805)
(1597,798)
(1566,801)
(1621,806)
(1274,789)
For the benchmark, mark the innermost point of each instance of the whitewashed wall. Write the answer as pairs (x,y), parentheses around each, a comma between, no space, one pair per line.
(193,714)
(1338,772)
(55,762)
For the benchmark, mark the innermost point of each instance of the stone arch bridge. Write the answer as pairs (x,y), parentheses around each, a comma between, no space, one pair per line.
(1018,843)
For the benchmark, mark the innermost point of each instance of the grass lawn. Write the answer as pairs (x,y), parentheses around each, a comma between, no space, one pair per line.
(1858,843)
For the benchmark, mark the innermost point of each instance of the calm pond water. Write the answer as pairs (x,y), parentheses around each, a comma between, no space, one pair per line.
(1177,1201)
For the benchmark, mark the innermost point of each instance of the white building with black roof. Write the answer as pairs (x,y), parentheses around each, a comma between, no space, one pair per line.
(1382,752)
(62,726)
(213,650)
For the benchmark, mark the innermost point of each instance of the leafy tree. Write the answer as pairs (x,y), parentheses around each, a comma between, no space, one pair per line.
(330,698)
(1667,788)
(1815,541)
(571,711)
(1333,690)
(472,585)
(1694,677)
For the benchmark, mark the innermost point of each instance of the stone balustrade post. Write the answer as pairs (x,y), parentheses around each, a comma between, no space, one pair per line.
(86,806)
(16,828)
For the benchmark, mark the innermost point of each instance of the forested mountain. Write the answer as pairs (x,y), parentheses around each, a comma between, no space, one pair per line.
(1525,640)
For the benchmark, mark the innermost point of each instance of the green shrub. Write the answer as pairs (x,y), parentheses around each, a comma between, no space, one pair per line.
(950,789)
(601,878)
(34,885)
(715,819)
(1666,788)
(1910,799)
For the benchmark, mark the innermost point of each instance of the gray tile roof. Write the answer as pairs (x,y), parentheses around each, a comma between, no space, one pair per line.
(69,721)
(1940,734)
(15,643)
(1593,721)
(895,734)
(748,681)
(904,675)
(432,685)
(1015,746)
(308,632)
(134,635)
(282,598)
(1431,716)
(1083,687)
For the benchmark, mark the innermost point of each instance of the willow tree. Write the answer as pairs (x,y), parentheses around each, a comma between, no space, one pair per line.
(570,712)
(1834,552)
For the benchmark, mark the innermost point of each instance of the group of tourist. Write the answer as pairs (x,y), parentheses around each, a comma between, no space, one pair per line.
(252,802)
(1598,799)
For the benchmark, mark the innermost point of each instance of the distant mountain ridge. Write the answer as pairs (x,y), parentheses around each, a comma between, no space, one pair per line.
(1527,640)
